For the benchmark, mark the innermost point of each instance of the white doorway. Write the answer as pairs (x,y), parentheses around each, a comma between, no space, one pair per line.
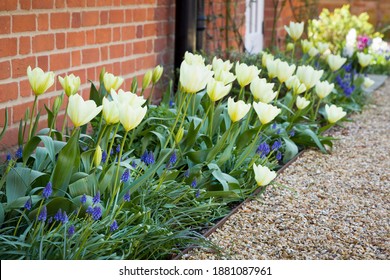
(254,17)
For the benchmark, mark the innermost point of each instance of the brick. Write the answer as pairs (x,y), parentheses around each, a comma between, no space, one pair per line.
(76,20)
(149,46)
(116,16)
(149,30)
(140,31)
(10,140)
(128,66)
(75,3)
(59,20)
(150,14)
(8,47)
(103,53)
(90,56)
(91,3)
(100,3)
(43,42)
(139,15)
(160,44)
(19,66)
(117,68)
(8,91)
(117,51)
(5,70)
(8,5)
(90,37)
(103,17)
(43,4)
(5,24)
(24,88)
(128,33)
(22,23)
(139,47)
(60,40)
(90,18)
(60,4)
(129,15)
(24,45)
(91,73)
(128,49)
(139,64)
(116,34)
(103,35)
(43,61)
(43,22)
(75,39)
(59,61)
(76,58)
(18,111)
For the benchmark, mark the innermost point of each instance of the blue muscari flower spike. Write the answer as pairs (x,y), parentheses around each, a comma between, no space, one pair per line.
(50,220)
(111,152)
(96,198)
(171,103)
(97,213)
(47,191)
(126,197)
(64,218)
(187,173)
(263,149)
(151,158)
(89,210)
(276,145)
(71,230)
(19,153)
(292,133)
(58,215)
(144,157)
(8,157)
(83,199)
(118,148)
(114,226)
(133,164)
(42,214)
(278,155)
(104,157)
(172,160)
(273,126)
(125,176)
(197,194)
(28,204)
(194,183)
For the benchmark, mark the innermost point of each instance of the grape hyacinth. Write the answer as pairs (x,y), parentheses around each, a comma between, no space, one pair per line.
(8,157)
(19,153)
(125,176)
(42,214)
(263,149)
(172,160)
(114,226)
(28,204)
(71,230)
(83,199)
(47,191)
(292,133)
(118,148)
(278,155)
(96,213)
(126,197)
(194,183)
(133,164)
(58,215)
(186,173)
(345,84)
(147,157)
(276,145)
(96,198)
(104,156)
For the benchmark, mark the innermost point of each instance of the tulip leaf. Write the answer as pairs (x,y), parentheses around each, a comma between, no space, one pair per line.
(5,123)
(225,179)
(191,137)
(312,137)
(246,137)
(33,143)
(291,149)
(107,178)
(18,181)
(82,186)
(94,95)
(1,213)
(222,194)
(50,116)
(68,162)
(198,156)
(21,201)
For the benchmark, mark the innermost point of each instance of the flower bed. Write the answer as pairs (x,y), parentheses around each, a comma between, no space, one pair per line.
(147,179)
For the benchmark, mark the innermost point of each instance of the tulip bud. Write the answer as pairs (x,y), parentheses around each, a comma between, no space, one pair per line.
(335,62)
(147,79)
(219,64)
(157,72)
(57,104)
(110,111)
(97,158)
(265,57)
(306,45)
(131,116)
(290,47)
(364,59)
(70,84)
(263,175)
(179,135)
(39,80)
(302,103)
(313,52)
(295,30)
(368,82)
(112,82)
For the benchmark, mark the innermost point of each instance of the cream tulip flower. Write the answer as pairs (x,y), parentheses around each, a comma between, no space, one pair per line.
(301,102)
(308,76)
(193,59)
(323,89)
(112,82)
(364,59)
(335,62)
(194,77)
(368,82)
(306,45)
(245,74)
(322,47)
(263,175)
(294,84)
(272,68)
(334,113)
(219,64)
(265,57)
(284,71)
(313,52)
(266,112)
(224,76)
(70,84)
(110,111)
(127,97)
(262,91)
(81,112)
(157,73)
(237,110)
(295,30)
(131,116)
(217,90)
(39,80)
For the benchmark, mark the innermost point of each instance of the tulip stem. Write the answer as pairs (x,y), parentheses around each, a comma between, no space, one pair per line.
(316,111)
(31,117)
(150,98)
(211,119)
(277,94)
(111,144)
(293,52)
(242,93)
(98,142)
(65,119)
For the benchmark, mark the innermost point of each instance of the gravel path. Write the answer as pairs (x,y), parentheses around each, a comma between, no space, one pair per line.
(334,206)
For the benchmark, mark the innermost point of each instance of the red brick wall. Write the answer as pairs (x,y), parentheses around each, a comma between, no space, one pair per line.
(224,34)
(127,37)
